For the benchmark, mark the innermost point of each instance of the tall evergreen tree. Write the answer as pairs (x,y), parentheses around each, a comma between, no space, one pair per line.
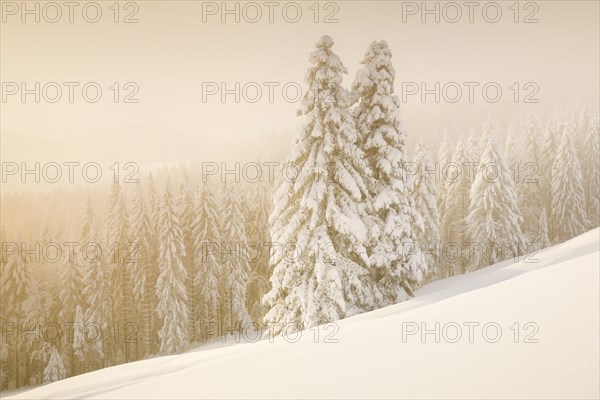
(143,270)
(4,367)
(96,287)
(513,147)
(171,285)
(207,241)
(79,339)
(396,261)
(71,298)
(549,150)
(186,211)
(568,197)
(528,184)
(55,371)
(542,239)
(258,236)
(15,286)
(581,128)
(425,202)
(120,248)
(474,146)
(319,213)
(591,173)
(235,262)
(153,206)
(153,201)
(39,310)
(494,220)
(456,206)
(444,157)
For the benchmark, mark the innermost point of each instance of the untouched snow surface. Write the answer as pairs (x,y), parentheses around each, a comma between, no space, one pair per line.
(556,355)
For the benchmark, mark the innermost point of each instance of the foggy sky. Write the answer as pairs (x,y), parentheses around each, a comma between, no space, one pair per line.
(170,52)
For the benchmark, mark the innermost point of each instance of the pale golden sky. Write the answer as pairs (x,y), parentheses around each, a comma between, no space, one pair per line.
(170,52)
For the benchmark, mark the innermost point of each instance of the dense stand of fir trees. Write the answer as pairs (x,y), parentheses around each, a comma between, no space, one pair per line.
(164,269)
(366,225)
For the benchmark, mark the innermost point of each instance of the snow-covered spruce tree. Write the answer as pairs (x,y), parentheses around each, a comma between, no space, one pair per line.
(153,204)
(318,214)
(43,303)
(207,241)
(591,173)
(79,338)
(257,229)
(185,207)
(3,368)
(458,178)
(494,220)
(444,157)
(513,148)
(71,296)
(55,370)
(424,191)
(235,261)
(15,282)
(549,151)
(15,286)
(396,262)
(39,311)
(96,288)
(582,124)
(542,240)
(4,374)
(473,146)
(153,200)
(528,181)
(568,197)
(143,271)
(120,245)
(171,291)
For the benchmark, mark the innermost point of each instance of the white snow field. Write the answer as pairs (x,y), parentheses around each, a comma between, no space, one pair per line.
(554,300)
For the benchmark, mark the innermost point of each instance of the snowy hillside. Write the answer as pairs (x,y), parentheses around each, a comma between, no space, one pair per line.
(553,352)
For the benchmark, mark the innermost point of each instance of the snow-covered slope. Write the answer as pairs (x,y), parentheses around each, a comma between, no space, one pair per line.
(553,297)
